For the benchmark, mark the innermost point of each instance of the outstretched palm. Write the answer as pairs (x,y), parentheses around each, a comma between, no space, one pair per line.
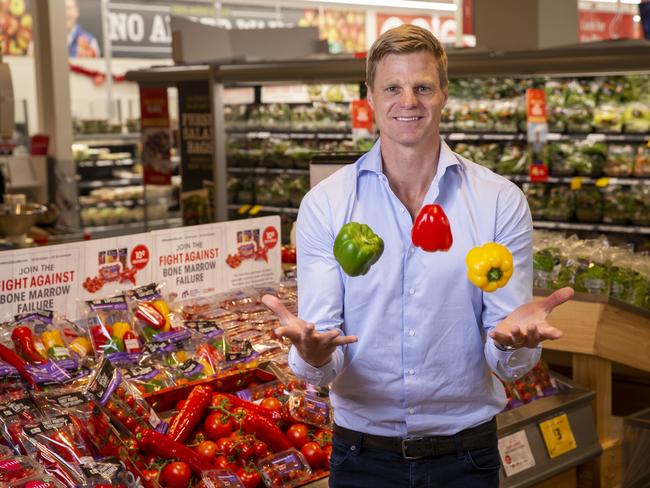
(315,347)
(527,326)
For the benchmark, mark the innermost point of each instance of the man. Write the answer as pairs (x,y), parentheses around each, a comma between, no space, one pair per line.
(411,379)
(81,43)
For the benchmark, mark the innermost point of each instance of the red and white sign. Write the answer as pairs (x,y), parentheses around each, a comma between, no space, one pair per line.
(601,26)
(156,138)
(536,105)
(361,115)
(515,453)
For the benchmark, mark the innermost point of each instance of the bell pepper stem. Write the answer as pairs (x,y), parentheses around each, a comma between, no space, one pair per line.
(494,274)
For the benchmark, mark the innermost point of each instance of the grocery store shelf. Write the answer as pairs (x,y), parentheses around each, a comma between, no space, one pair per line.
(82,185)
(264,170)
(100,163)
(288,134)
(459,136)
(110,139)
(132,227)
(585,180)
(127,202)
(623,229)
(246,208)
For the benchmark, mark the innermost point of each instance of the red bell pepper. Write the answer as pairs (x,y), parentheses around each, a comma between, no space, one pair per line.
(23,340)
(162,446)
(10,357)
(431,229)
(190,414)
(266,431)
(267,413)
(150,315)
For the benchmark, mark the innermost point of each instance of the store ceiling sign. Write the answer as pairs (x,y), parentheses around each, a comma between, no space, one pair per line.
(600,26)
(442,26)
(42,278)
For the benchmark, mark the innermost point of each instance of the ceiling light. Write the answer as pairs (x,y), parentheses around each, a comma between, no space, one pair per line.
(405,4)
(634,2)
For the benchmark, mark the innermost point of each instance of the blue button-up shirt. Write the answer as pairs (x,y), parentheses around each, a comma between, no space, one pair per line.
(422,364)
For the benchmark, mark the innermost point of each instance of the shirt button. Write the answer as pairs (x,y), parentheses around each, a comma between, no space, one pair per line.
(411,332)
(402,210)
(411,372)
(411,410)
(411,291)
(412,250)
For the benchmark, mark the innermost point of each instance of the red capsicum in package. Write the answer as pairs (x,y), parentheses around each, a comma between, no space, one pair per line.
(431,230)
(23,340)
(149,314)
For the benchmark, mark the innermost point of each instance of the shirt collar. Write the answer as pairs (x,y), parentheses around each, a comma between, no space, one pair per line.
(372,161)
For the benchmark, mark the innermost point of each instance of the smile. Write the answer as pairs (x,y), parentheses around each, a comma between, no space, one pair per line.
(407,119)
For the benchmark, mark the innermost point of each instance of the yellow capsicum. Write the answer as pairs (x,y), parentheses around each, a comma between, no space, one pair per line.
(489,266)
(161,306)
(81,346)
(52,338)
(119,329)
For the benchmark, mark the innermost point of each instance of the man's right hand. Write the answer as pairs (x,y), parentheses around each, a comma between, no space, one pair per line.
(315,348)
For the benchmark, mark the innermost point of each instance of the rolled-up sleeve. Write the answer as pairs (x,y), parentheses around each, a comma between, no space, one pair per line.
(514,230)
(320,285)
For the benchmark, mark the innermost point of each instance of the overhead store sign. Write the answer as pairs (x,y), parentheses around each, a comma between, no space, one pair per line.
(600,26)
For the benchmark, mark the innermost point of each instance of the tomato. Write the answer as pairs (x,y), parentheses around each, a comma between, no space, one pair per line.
(313,454)
(130,400)
(272,404)
(327,450)
(222,462)
(131,424)
(323,437)
(219,400)
(207,450)
(223,443)
(197,437)
(176,475)
(250,478)
(217,425)
(298,435)
(245,452)
(150,475)
(260,449)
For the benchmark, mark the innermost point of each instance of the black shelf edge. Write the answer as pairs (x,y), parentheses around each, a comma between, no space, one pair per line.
(620,228)
(265,170)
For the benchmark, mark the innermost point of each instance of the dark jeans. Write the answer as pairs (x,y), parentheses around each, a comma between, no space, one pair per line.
(352,466)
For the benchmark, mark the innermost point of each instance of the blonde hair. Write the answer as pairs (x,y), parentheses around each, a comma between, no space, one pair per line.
(406,39)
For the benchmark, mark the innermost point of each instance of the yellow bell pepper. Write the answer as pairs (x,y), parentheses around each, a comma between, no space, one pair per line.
(52,338)
(119,329)
(81,346)
(161,306)
(489,266)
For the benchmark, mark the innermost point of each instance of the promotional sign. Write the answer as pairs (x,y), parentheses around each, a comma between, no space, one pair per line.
(515,453)
(189,260)
(16,24)
(116,264)
(252,252)
(156,139)
(40,278)
(197,151)
(207,258)
(537,134)
(601,26)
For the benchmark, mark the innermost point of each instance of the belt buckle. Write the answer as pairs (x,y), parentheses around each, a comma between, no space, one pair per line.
(405,442)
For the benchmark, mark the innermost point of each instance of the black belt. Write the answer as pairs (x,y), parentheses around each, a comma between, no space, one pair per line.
(416,447)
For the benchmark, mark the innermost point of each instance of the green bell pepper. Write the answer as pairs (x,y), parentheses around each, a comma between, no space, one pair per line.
(357,248)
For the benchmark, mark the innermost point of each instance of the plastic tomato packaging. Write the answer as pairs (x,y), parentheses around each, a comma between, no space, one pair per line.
(45,481)
(144,373)
(284,469)
(219,478)
(310,409)
(18,468)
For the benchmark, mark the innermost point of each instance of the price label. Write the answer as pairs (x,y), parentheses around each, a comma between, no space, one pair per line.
(558,435)
(602,182)
(576,183)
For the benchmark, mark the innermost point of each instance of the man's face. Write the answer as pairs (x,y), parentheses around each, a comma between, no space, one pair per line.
(407,99)
(71,14)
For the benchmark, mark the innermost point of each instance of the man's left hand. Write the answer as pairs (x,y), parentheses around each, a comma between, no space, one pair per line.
(527,326)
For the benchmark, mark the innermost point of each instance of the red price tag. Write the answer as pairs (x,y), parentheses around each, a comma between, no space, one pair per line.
(270,237)
(538,173)
(139,256)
